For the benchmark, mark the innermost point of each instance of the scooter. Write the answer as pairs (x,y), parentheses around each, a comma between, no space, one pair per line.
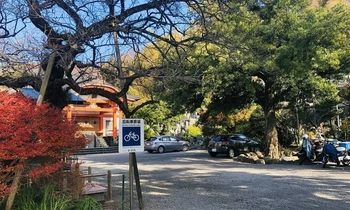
(330,153)
(311,151)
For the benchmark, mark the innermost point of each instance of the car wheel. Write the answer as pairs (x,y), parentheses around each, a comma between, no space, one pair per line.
(231,153)
(213,154)
(345,162)
(301,160)
(149,151)
(256,149)
(160,149)
(185,147)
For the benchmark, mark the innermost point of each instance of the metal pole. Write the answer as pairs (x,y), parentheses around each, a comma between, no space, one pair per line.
(131,179)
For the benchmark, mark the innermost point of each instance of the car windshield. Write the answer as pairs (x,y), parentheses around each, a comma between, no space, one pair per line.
(242,137)
(153,139)
(220,138)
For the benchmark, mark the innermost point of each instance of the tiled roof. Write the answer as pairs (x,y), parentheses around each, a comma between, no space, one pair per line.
(31,93)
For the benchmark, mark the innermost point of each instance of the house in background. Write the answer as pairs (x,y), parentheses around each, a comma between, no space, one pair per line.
(96,116)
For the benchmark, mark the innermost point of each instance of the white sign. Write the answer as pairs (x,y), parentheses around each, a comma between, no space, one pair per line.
(131,135)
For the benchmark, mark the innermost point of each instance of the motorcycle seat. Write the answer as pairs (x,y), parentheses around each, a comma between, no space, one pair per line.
(341,149)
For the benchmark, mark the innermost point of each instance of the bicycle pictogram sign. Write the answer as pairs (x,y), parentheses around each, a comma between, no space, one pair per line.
(131,135)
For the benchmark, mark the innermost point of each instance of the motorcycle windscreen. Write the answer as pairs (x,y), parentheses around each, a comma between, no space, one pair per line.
(307,147)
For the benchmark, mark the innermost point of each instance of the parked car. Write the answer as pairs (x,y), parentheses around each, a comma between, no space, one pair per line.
(162,144)
(232,145)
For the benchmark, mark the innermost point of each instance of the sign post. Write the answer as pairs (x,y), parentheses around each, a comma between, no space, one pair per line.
(131,140)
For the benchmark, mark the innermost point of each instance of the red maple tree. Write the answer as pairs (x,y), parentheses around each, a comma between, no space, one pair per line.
(33,140)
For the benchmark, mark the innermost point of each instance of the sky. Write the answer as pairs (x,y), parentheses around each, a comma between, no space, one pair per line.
(30,36)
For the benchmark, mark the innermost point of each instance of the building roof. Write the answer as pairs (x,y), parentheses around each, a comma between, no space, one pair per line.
(31,93)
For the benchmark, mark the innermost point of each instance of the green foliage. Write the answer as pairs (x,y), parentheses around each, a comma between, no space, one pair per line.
(49,198)
(30,198)
(192,132)
(268,54)
(88,203)
(149,132)
(159,118)
(238,121)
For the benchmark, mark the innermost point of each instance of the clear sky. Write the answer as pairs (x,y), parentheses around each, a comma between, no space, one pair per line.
(33,38)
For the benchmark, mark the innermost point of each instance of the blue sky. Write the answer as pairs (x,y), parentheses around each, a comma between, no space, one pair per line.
(31,35)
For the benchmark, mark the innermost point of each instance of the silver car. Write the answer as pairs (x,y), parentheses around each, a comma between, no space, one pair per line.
(162,144)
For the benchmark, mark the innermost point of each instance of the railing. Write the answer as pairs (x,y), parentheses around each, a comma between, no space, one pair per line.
(97,150)
(101,189)
(89,176)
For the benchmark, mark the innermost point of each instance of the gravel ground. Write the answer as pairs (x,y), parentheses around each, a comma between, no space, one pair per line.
(194,181)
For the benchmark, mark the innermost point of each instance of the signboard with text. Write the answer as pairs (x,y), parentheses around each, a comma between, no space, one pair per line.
(131,135)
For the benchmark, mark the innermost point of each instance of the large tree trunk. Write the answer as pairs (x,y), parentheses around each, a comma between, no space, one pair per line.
(271,135)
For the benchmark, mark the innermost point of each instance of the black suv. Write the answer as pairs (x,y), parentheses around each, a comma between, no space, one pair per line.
(232,145)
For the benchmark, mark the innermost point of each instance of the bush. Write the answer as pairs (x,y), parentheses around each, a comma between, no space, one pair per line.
(33,198)
(88,203)
(33,140)
(192,132)
(30,198)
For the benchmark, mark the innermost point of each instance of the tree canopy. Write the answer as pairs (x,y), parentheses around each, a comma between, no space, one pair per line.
(276,54)
(80,35)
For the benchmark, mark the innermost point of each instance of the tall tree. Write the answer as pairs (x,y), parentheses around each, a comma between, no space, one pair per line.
(78,35)
(273,52)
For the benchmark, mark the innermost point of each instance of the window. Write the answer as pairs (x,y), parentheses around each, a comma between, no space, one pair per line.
(173,139)
(166,139)
(217,138)
(109,125)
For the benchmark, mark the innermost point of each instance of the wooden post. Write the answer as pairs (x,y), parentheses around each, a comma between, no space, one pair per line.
(109,185)
(123,187)
(46,79)
(77,181)
(89,173)
(69,113)
(131,179)
(114,122)
(137,182)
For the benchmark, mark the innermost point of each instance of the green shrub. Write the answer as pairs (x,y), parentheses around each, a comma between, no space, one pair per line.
(87,203)
(30,198)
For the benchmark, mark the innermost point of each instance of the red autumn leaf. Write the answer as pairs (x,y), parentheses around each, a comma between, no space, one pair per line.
(35,136)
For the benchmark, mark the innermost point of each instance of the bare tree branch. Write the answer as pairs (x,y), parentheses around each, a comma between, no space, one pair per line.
(80,32)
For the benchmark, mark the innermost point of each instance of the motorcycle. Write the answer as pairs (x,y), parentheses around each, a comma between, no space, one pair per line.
(310,151)
(332,153)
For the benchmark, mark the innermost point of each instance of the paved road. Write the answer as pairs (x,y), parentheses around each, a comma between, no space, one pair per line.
(195,181)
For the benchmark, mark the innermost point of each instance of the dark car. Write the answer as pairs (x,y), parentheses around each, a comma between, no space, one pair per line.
(232,145)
